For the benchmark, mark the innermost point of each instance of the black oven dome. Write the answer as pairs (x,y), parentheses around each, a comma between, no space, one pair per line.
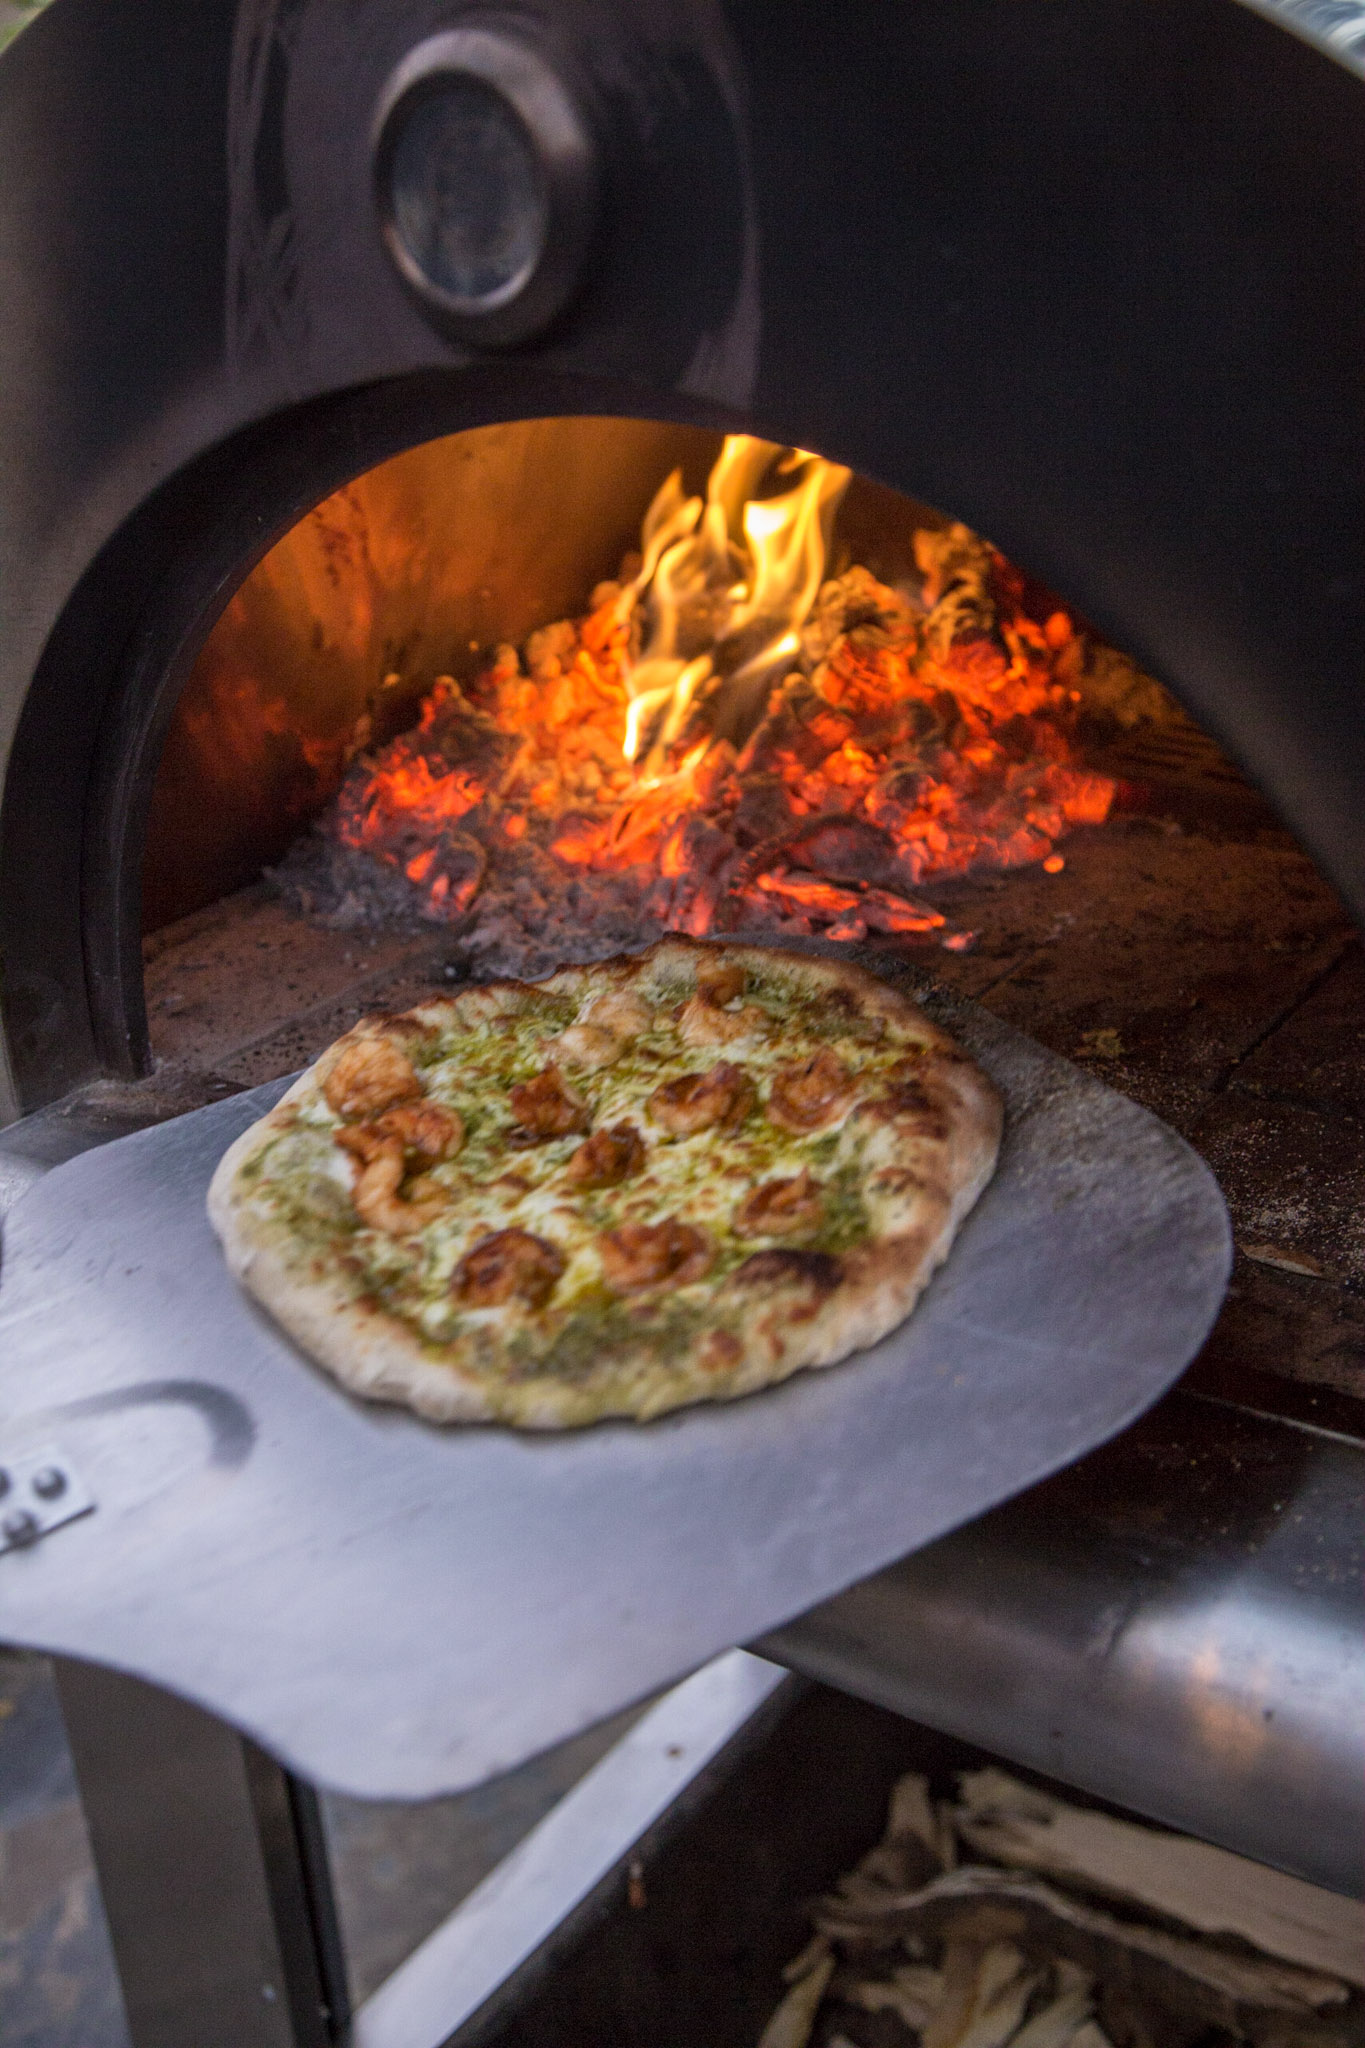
(1090,278)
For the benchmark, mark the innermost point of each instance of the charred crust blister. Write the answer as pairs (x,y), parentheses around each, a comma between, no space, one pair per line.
(779,1267)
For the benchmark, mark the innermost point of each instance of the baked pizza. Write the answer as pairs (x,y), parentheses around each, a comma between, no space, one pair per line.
(672,1178)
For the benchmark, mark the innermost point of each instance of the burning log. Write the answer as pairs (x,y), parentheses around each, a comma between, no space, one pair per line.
(727,742)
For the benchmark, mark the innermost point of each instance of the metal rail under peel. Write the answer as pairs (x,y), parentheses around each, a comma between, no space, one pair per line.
(1173,1624)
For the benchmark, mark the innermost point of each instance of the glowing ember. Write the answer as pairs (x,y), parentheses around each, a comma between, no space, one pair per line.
(727,742)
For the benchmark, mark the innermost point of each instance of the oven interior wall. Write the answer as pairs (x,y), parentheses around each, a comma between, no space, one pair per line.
(457,543)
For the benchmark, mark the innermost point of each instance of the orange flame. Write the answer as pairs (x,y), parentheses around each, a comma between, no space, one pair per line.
(748,744)
(731,579)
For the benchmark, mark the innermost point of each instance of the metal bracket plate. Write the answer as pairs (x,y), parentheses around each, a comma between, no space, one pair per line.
(40,1490)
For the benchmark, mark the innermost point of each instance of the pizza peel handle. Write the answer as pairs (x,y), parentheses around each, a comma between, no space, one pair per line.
(400,1610)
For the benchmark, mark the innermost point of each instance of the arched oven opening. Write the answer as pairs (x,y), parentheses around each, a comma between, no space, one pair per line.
(506,698)
(545,690)
(953,768)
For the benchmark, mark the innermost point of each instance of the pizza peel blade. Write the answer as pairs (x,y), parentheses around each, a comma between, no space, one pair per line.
(398,1610)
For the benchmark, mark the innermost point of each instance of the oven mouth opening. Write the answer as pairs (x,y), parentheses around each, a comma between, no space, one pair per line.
(1184,950)
(551,689)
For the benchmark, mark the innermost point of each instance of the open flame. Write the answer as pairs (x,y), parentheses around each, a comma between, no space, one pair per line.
(728,741)
(725,584)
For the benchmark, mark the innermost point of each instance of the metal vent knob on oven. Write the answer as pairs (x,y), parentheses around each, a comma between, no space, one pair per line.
(486,182)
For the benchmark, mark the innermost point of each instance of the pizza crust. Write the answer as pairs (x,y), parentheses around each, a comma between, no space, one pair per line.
(924,1147)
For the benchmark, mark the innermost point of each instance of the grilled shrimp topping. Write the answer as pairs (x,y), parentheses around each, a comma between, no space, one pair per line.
(780,1208)
(810,1094)
(906,1097)
(720,984)
(640,1255)
(704,1022)
(369,1074)
(588,1046)
(720,1098)
(509,1265)
(608,1157)
(375,1195)
(545,1107)
(621,1012)
(427,1130)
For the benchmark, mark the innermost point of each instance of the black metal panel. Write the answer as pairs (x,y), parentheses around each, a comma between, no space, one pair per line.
(119,478)
(1088,276)
(212,1871)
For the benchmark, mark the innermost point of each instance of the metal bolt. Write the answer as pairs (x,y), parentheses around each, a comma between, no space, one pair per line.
(20,1528)
(50,1483)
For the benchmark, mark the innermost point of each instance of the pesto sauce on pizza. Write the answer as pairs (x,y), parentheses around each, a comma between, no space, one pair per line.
(571,1187)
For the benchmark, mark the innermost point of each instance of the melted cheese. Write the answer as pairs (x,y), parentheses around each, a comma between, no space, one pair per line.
(480,1048)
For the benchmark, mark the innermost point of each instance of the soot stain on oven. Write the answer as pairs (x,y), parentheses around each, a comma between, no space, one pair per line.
(797,708)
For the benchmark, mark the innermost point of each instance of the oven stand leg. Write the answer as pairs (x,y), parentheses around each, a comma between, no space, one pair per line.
(213,1870)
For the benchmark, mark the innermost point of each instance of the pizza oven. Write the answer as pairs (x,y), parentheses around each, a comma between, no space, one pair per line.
(346,349)
(243,286)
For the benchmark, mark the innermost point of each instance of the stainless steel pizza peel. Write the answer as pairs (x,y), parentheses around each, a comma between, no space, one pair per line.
(398,1610)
